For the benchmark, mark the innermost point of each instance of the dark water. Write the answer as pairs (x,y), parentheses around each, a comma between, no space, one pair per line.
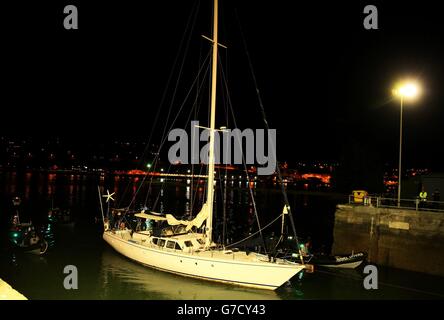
(104,274)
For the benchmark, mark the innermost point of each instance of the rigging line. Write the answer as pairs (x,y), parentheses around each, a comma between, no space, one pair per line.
(220,170)
(165,138)
(267,127)
(165,91)
(175,91)
(222,191)
(178,78)
(224,185)
(187,121)
(185,100)
(224,226)
(176,59)
(161,188)
(197,106)
(197,183)
(157,199)
(153,166)
(224,208)
(243,160)
(157,159)
(255,233)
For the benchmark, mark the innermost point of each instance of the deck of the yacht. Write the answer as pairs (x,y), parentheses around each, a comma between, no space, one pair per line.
(142,238)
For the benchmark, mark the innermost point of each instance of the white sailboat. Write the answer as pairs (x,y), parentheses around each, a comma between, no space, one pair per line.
(170,286)
(194,254)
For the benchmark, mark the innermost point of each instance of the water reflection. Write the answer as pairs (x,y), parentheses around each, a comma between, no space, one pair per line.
(111,276)
(124,279)
(79,192)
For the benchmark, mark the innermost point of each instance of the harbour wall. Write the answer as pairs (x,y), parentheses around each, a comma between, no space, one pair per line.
(399,238)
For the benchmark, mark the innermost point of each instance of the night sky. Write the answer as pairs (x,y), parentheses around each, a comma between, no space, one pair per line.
(325,80)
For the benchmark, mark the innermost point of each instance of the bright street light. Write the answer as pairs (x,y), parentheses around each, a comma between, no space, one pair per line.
(407,90)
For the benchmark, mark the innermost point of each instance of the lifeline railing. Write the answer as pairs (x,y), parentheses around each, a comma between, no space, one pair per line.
(410,204)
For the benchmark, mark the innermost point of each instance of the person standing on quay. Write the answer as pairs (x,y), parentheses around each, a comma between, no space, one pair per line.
(423,197)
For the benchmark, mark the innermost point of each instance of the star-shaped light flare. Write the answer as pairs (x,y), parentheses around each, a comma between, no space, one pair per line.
(109,196)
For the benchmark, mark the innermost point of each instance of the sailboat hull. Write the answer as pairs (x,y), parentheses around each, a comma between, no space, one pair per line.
(212,266)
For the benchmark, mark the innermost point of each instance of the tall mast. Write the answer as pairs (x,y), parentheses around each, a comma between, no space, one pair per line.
(210,186)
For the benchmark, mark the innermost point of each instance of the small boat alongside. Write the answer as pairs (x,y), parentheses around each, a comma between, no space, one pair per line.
(348,261)
(24,236)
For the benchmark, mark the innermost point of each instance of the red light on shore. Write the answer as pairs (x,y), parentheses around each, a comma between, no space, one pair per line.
(325,178)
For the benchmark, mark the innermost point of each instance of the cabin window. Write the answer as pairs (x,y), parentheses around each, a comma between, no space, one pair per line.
(170,244)
(161,243)
(188,243)
(177,247)
(155,240)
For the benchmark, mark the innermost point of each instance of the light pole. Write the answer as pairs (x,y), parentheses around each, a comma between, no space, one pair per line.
(404,90)
(400,153)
